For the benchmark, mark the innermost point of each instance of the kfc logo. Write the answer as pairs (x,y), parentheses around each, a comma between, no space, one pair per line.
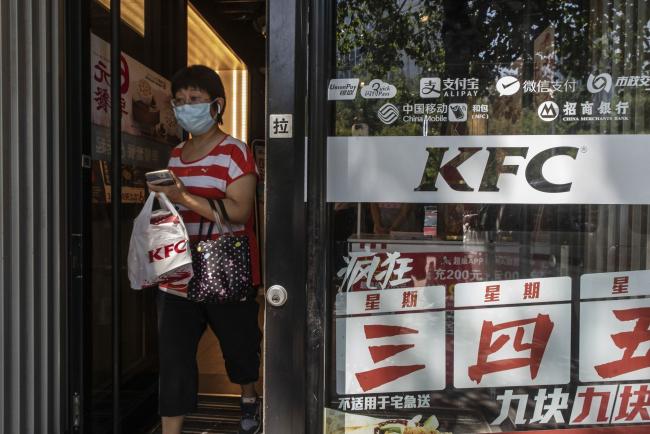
(494,168)
(165,252)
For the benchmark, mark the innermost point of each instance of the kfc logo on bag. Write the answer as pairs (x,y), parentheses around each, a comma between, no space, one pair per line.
(166,251)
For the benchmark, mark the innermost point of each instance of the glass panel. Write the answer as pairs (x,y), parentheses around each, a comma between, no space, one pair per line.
(490,231)
(132,12)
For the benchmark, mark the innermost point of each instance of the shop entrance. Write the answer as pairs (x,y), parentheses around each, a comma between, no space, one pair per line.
(114,387)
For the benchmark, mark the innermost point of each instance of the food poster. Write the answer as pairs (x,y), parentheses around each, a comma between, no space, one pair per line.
(149,128)
(540,354)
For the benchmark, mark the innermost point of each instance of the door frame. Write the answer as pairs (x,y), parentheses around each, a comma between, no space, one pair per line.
(297,216)
(284,330)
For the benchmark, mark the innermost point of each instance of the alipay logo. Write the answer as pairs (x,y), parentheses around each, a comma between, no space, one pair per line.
(388,113)
(600,82)
(548,111)
(430,87)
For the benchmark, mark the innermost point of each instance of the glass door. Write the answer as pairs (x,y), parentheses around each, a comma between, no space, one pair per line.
(486,217)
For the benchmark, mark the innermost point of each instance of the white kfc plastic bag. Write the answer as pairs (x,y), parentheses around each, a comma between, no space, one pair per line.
(159,251)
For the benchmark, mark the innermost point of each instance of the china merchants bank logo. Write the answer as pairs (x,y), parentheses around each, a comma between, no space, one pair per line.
(599,83)
(548,111)
(388,113)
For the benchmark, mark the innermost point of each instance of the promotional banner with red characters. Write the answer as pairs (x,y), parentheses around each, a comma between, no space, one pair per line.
(543,354)
(149,127)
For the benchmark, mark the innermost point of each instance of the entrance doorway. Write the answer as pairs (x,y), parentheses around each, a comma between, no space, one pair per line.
(156,40)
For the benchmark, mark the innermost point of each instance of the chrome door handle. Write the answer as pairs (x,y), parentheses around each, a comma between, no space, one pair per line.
(276,295)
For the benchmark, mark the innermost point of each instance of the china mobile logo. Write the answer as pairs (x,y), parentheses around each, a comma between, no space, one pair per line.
(388,113)
(165,252)
(494,168)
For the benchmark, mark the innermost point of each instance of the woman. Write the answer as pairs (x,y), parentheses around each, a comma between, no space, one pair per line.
(209,165)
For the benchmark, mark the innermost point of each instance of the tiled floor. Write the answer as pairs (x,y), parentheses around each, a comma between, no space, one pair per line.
(214,415)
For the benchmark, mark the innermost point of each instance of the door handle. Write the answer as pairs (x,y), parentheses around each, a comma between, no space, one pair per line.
(276,295)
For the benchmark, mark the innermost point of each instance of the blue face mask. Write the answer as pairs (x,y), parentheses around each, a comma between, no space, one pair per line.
(196,118)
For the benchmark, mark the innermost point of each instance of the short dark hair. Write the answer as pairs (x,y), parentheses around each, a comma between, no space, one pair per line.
(203,78)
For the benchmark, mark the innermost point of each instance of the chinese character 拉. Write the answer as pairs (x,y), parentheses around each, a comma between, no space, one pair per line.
(281,126)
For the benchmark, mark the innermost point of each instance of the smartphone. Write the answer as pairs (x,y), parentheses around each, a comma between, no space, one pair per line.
(160,177)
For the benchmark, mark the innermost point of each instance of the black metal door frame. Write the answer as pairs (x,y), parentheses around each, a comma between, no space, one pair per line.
(284,343)
(297,240)
(77,201)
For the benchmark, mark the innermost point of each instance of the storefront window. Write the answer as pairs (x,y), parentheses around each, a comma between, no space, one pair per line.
(487,180)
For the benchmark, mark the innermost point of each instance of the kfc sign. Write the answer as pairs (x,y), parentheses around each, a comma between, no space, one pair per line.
(554,169)
(494,168)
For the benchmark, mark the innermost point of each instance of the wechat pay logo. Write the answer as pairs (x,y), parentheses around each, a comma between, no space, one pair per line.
(600,82)
(388,113)
(508,85)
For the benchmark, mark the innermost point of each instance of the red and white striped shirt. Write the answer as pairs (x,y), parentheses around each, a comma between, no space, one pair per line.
(209,177)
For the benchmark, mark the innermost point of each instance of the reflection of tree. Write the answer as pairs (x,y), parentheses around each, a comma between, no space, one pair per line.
(381,33)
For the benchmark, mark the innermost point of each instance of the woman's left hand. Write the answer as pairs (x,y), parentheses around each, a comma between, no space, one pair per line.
(176,193)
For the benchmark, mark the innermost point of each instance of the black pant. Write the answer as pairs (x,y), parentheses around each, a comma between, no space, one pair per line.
(180,325)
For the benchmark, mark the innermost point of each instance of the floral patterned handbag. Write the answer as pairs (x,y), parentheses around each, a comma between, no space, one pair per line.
(222,270)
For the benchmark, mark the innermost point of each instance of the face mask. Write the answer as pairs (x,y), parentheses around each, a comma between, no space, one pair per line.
(195,118)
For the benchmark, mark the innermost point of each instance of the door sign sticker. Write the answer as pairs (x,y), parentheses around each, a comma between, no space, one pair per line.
(378,89)
(342,89)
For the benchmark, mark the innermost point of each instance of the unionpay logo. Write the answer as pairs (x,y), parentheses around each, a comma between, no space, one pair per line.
(508,85)
(600,82)
(388,113)
(548,111)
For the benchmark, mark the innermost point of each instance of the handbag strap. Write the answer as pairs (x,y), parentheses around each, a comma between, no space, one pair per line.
(208,235)
(219,213)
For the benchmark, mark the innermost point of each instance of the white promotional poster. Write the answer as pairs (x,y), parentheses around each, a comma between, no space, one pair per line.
(390,353)
(554,169)
(614,340)
(512,346)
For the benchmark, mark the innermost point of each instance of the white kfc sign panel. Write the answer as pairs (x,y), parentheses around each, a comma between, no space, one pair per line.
(592,169)
(390,353)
